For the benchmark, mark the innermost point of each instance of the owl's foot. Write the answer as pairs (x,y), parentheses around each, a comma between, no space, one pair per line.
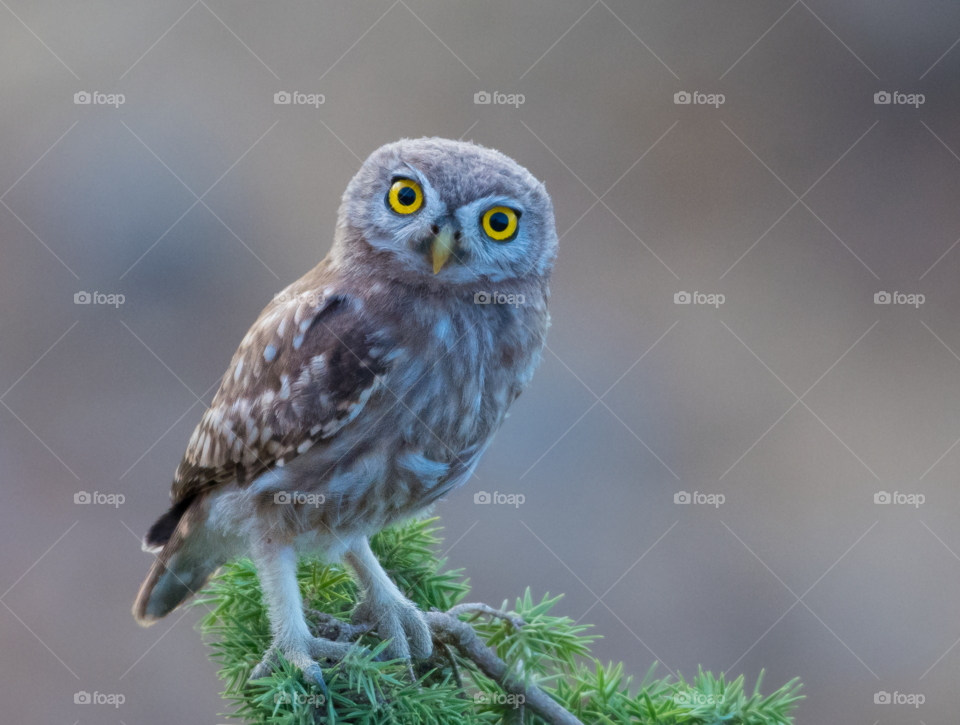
(398,620)
(304,655)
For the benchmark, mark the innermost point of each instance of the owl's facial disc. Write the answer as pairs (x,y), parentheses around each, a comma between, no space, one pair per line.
(446,214)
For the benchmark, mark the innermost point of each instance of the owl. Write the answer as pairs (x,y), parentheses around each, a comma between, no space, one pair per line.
(365,391)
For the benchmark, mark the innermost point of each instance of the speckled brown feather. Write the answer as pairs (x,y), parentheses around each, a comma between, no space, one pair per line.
(269,411)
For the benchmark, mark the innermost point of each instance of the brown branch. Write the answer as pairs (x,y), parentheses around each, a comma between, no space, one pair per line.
(329,627)
(461,636)
(480,608)
(450,632)
(456,669)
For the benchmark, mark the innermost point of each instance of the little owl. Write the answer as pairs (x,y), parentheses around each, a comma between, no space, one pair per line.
(365,391)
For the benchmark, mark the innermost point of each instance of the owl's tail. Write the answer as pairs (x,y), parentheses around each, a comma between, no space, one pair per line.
(187,556)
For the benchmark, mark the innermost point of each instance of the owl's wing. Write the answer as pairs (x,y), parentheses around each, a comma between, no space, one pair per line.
(304,370)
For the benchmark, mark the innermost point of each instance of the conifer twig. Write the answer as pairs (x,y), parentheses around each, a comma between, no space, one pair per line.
(329,627)
(450,630)
(480,608)
(501,661)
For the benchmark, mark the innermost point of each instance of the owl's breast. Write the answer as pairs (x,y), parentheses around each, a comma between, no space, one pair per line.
(457,372)
(452,374)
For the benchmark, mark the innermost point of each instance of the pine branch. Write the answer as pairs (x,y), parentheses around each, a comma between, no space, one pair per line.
(451,631)
(513,665)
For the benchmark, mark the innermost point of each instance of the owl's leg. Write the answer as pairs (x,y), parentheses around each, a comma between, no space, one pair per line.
(391,614)
(277,569)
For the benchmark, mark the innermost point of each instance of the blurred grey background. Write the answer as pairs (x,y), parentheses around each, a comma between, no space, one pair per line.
(798,398)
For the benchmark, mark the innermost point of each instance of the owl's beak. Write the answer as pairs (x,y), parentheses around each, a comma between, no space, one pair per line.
(441,247)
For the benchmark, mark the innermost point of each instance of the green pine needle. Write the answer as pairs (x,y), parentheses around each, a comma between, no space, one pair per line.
(551,651)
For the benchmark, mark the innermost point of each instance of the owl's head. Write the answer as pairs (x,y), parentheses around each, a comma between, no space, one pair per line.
(439,212)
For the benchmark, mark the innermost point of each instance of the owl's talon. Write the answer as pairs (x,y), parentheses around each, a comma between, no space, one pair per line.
(325,649)
(313,675)
(400,622)
(303,655)
(266,665)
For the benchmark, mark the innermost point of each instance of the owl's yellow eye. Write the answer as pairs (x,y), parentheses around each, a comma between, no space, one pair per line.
(405,196)
(500,223)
